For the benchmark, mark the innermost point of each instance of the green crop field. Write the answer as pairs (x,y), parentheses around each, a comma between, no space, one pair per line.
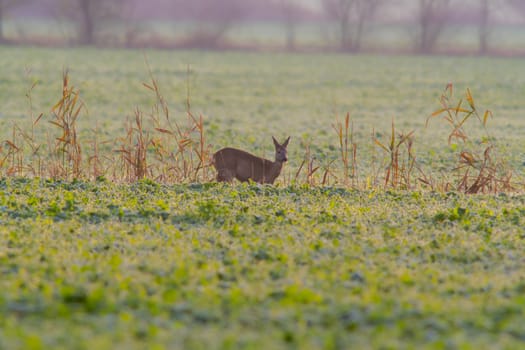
(323,259)
(206,266)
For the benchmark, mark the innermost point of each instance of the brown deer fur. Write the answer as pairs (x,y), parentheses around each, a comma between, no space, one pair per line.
(234,163)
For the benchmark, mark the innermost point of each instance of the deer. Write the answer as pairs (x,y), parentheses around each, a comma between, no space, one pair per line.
(233,163)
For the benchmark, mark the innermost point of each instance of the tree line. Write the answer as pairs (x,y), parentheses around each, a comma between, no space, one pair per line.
(350,19)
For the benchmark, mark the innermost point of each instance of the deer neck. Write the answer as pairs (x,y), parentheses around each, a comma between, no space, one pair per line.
(276,167)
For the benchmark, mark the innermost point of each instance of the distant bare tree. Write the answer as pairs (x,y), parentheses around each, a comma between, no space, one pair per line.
(340,10)
(432,17)
(351,16)
(484,13)
(289,16)
(213,19)
(5,6)
(90,15)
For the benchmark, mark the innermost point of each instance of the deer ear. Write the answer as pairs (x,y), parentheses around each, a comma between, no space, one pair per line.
(275,142)
(285,144)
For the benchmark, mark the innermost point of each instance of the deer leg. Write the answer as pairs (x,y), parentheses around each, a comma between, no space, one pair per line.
(224,175)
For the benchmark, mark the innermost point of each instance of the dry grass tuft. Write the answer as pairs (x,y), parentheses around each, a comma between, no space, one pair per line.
(157,146)
(480,168)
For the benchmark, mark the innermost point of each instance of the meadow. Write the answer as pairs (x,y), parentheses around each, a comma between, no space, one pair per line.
(244,98)
(323,259)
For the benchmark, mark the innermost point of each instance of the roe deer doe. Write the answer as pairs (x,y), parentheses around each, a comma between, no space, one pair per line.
(234,163)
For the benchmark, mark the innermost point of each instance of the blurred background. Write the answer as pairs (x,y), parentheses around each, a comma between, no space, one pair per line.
(459,27)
